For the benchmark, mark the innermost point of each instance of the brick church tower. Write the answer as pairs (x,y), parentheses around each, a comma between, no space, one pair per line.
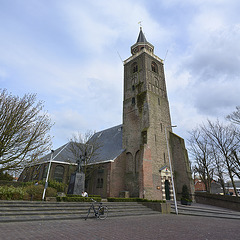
(146,114)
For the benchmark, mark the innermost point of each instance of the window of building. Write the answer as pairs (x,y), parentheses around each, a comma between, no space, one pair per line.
(144,137)
(45,171)
(134,67)
(100,170)
(154,67)
(137,161)
(100,183)
(133,100)
(133,87)
(129,163)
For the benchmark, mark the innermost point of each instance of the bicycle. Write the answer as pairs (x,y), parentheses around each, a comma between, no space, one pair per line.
(100,212)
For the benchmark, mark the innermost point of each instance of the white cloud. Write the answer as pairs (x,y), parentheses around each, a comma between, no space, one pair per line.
(66,51)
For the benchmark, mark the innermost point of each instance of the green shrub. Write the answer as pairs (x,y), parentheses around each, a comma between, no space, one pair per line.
(95,196)
(5,176)
(185,193)
(78,199)
(11,193)
(60,187)
(110,199)
(30,192)
(51,192)
(132,200)
(73,195)
(91,196)
(34,192)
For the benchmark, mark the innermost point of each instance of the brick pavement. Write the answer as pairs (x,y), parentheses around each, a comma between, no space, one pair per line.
(140,227)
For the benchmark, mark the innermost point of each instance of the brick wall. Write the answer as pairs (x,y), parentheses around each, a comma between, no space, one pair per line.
(180,165)
(225,201)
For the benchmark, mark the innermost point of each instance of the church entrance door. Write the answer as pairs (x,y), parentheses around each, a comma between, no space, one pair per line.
(167,192)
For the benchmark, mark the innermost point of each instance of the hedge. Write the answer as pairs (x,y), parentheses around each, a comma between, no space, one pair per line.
(110,199)
(31,192)
(91,196)
(78,199)
(12,193)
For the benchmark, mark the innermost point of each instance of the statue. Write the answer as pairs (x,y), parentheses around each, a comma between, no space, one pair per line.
(79,167)
(80,162)
(77,179)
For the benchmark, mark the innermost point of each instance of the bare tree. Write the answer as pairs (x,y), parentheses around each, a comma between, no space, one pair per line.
(24,130)
(85,148)
(201,153)
(225,138)
(219,165)
(235,160)
(234,117)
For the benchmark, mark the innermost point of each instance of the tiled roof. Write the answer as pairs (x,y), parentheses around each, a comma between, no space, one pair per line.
(111,147)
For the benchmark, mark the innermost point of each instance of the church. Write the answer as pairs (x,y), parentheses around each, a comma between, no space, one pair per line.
(134,160)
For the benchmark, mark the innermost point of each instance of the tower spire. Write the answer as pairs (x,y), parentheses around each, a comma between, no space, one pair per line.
(141,36)
(141,43)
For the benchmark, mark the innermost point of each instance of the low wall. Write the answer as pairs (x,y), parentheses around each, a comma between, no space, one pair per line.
(164,208)
(225,201)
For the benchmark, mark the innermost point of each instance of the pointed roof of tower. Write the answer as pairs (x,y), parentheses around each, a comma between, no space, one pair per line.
(142,44)
(141,37)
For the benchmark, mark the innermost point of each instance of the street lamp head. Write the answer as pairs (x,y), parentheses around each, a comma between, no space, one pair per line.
(171,126)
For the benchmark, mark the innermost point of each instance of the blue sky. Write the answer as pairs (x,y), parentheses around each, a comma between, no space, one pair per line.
(67,53)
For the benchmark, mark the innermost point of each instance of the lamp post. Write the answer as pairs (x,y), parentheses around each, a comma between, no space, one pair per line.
(46,183)
(49,167)
(170,165)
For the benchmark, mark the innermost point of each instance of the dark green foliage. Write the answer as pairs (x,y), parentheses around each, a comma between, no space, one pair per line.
(51,192)
(12,193)
(185,192)
(78,199)
(35,192)
(5,176)
(185,199)
(132,200)
(91,196)
(25,192)
(60,187)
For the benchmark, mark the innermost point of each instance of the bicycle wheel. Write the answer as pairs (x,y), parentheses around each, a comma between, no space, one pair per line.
(102,212)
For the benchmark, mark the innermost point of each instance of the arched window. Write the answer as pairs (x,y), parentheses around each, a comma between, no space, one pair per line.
(45,168)
(129,163)
(137,161)
(134,67)
(133,100)
(154,67)
(58,173)
(100,183)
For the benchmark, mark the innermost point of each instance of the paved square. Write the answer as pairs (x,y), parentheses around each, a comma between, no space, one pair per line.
(142,227)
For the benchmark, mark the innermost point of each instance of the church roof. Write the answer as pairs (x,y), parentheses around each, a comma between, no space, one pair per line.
(111,147)
(141,37)
(111,142)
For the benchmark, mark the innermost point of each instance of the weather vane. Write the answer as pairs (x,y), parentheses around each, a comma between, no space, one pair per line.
(140,24)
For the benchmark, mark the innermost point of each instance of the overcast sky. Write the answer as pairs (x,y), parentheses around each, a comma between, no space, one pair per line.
(68,53)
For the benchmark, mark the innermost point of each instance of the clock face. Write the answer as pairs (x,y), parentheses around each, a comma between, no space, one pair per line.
(135,50)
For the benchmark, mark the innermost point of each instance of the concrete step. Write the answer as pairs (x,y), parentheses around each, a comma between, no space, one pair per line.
(15,211)
(197,209)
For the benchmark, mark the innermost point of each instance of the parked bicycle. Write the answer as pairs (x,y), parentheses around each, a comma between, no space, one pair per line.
(99,211)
